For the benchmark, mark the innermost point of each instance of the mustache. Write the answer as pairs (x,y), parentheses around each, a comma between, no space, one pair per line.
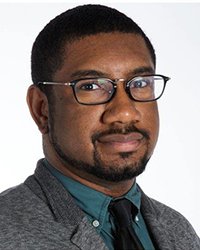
(131,128)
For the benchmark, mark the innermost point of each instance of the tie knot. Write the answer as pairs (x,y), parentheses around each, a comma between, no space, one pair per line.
(123,211)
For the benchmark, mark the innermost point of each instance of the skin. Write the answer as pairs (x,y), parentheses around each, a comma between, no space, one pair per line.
(72,125)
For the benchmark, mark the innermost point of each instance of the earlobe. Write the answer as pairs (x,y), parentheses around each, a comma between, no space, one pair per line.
(38,106)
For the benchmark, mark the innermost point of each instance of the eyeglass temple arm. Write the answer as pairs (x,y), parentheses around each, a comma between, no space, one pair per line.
(56,83)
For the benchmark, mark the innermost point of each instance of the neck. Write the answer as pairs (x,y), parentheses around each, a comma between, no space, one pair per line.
(113,189)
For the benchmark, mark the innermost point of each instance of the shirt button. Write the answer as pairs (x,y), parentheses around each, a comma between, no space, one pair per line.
(95,223)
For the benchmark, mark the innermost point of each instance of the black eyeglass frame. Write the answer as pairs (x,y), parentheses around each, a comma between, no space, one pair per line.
(114,83)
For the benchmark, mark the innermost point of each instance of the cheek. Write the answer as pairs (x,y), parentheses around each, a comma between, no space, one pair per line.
(150,121)
(73,129)
(154,124)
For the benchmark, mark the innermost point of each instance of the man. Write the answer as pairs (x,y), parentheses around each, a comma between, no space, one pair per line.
(94,101)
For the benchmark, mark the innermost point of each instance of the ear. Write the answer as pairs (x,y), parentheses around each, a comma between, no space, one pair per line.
(38,106)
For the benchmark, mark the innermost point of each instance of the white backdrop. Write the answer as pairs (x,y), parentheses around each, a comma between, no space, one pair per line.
(172,175)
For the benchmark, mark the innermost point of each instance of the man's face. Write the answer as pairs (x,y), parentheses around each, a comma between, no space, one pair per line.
(112,141)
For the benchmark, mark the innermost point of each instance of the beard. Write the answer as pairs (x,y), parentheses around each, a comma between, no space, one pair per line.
(116,171)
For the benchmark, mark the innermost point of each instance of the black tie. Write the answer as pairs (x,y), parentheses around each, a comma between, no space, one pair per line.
(124,212)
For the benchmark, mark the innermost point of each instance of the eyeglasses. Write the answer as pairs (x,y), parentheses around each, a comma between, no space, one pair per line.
(92,91)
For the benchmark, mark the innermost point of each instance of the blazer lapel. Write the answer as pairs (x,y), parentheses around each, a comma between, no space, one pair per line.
(156,227)
(86,237)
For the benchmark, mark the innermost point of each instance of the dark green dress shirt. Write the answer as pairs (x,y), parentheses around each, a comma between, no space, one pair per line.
(95,206)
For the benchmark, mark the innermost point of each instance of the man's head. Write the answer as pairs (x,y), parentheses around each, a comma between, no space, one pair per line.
(111,141)
(49,48)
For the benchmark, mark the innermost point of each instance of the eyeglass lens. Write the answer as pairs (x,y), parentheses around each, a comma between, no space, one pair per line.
(91,91)
(146,88)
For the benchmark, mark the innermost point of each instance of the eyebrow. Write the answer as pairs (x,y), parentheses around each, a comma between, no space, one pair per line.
(87,73)
(143,70)
(96,73)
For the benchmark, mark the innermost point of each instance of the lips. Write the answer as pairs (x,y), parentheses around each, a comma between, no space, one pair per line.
(122,142)
(121,138)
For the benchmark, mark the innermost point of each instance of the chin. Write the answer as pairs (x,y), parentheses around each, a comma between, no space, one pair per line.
(121,170)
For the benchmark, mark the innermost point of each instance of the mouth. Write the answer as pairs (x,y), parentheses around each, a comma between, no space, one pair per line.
(122,142)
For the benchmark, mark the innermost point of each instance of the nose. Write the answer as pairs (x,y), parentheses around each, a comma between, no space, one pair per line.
(121,109)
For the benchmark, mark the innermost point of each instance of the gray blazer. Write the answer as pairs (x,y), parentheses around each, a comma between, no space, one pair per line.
(40,214)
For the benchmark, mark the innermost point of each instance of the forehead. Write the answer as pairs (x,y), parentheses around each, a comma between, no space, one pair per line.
(115,53)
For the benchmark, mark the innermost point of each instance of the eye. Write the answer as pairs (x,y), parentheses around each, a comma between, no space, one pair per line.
(89,86)
(140,83)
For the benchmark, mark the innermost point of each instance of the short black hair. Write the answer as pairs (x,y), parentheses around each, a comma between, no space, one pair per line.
(73,24)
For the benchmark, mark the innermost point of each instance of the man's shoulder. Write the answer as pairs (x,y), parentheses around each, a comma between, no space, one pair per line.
(18,202)
(19,207)
(14,197)
(161,211)
(168,225)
